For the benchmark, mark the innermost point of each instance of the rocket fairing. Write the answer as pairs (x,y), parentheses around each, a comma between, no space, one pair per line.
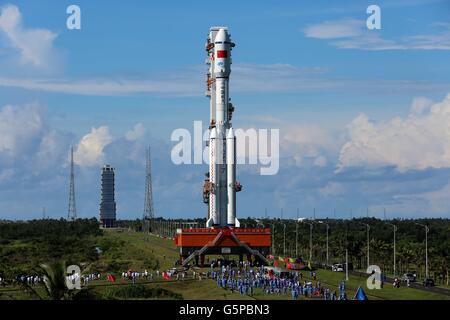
(221,188)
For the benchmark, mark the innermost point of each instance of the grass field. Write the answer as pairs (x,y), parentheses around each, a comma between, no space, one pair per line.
(131,250)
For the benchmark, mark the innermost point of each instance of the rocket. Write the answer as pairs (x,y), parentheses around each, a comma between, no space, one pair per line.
(220,187)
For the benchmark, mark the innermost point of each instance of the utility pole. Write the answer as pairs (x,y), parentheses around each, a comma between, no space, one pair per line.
(296,234)
(368,244)
(346,264)
(310,241)
(426,247)
(395,230)
(273,239)
(327,226)
(284,239)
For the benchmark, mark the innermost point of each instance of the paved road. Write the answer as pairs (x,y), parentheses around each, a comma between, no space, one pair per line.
(412,285)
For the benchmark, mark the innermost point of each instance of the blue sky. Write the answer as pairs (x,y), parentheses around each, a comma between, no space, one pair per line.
(363,114)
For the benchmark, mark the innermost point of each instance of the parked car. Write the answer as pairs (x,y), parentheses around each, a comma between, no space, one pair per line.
(408,276)
(428,282)
(337,267)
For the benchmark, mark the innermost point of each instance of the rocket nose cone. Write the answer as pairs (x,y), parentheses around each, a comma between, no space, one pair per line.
(230,134)
(222,35)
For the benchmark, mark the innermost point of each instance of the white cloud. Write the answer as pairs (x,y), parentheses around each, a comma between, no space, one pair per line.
(89,151)
(302,142)
(188,82)
(335,29)
(332,189)
(107,87)
(420,105)
(19,126)
(34,45)
(28,146)
(353,34)
(136,133)
(419,141)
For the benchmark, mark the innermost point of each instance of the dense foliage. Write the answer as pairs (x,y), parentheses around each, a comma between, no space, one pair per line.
(352,235)
(26,245)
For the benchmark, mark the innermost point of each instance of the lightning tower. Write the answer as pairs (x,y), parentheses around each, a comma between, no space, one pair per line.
(149,213)
(72,212)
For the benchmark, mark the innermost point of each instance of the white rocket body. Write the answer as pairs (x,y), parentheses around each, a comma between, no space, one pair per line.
(222,142)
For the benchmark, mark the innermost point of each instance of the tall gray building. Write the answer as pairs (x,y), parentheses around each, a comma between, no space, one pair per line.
(108,204)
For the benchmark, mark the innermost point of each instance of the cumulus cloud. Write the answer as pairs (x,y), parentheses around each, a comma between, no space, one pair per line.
(420,104)
(20,126)
(90,150)
(417,142)
(31,152)
(34,46)
(136,133)
(302,142)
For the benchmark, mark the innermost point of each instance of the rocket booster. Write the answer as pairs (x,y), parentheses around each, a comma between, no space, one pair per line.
(222,184)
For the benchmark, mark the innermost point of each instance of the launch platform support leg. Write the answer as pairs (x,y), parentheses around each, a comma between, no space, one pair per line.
(202,260)
(249,257)
(196,261)
(241,257)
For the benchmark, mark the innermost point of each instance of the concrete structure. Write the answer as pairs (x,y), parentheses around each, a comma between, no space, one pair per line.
(108,203)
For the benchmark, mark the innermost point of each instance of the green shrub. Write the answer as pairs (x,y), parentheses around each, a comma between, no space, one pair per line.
(138,291)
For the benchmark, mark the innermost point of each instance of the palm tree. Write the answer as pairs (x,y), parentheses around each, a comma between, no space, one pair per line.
(54,283)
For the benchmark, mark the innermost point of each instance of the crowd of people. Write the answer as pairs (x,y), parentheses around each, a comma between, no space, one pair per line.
(31,280)
(87,278)
(245,280)
(134,275)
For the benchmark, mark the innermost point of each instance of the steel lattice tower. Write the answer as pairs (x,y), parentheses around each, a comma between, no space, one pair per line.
(72,212)
(149,213)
